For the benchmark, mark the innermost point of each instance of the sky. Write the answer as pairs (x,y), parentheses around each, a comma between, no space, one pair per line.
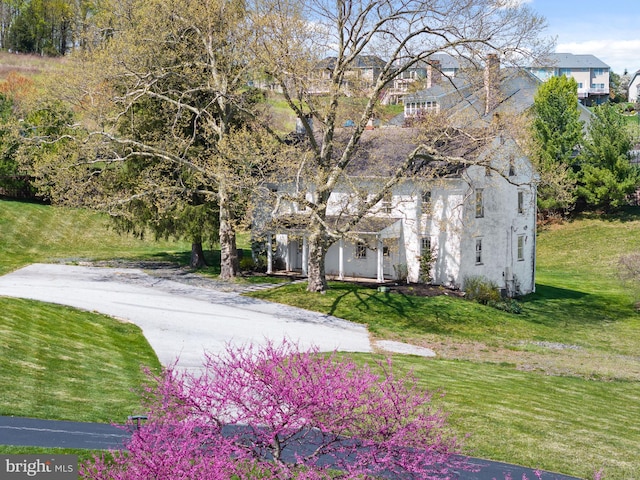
(608,29)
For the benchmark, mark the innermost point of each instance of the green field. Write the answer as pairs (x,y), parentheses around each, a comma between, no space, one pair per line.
(556,387)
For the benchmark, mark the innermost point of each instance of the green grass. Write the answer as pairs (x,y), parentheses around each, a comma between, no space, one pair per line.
(571,409)
(560,424)
(65,364)
(31,232)
(57,362)
(83,455)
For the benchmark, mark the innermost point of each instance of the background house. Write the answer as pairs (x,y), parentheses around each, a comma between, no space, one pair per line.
(591,74)
(361,76)
(423,74)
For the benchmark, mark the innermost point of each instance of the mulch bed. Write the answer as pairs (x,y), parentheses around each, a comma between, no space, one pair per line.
(413,289)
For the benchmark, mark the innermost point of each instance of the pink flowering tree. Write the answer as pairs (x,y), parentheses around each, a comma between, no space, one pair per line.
(278,412)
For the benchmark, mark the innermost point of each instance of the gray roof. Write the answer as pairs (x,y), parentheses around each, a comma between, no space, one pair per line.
(361,61)
(444,87)
(569,60)
(516,92)
(446,61)
(382,150)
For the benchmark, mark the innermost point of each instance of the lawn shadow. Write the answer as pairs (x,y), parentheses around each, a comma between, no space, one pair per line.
(551,305)
(549,292)
(212,257)
(400,312)
(368,294)
(629,213)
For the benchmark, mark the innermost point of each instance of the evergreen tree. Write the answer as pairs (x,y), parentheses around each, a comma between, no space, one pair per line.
(557,136)
(606,175)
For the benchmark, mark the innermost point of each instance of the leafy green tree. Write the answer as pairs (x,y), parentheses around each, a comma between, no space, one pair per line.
(45,27)
(557,134)
(619,87)
(10,178)
(14,93)
(606,176)
(169,125)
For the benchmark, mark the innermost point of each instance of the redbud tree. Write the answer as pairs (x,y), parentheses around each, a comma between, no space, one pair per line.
(278,412)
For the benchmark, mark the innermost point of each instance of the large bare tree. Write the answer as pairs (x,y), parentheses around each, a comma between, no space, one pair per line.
(295,37)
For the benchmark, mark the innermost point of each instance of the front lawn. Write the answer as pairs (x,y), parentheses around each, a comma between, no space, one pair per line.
(556,387)
(64,364)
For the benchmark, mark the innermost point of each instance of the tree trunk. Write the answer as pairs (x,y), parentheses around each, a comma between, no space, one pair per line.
(197,255)
(316,276)
(229,264)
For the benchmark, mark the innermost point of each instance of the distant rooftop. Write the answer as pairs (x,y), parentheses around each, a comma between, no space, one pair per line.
(361,61)
(570,60)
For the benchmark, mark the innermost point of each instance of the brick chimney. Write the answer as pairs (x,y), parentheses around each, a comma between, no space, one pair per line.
(491,82)
(434,74)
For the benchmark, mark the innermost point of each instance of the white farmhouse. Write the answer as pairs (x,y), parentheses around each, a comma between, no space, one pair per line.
(634,87)
(476,217)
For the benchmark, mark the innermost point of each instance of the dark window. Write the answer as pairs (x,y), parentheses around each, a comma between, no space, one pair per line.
(520,202)
(479,203)
(478,251)
(520,247)
(425,244)
(386,203)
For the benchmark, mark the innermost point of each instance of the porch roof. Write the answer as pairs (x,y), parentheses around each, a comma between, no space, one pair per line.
(370,225)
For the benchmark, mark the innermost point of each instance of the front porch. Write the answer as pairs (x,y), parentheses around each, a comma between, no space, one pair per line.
(374,252)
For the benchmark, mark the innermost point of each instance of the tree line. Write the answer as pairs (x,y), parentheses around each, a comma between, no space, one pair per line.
(44,27)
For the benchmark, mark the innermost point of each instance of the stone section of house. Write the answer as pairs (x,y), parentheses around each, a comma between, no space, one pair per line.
(477,217)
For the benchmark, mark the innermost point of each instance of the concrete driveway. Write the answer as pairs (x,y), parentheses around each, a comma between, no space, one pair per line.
(181,321)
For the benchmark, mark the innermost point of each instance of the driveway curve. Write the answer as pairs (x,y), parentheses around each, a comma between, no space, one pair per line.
(181,321)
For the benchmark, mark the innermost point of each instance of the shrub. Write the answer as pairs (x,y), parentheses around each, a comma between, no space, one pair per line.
(247,264)
(278,412)
(508,305)
(481,290)
(427,259)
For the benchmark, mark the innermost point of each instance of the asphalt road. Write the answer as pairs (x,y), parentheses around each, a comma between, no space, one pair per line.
(60,434)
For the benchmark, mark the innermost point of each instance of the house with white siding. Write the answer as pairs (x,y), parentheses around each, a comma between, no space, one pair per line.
(476,216)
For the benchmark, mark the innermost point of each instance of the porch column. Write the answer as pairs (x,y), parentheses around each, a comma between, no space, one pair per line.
(341,259)
(269,254)
(380,260)
(305,256)
(287,255)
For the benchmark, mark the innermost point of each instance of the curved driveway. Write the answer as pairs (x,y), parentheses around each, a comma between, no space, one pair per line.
(181,321)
